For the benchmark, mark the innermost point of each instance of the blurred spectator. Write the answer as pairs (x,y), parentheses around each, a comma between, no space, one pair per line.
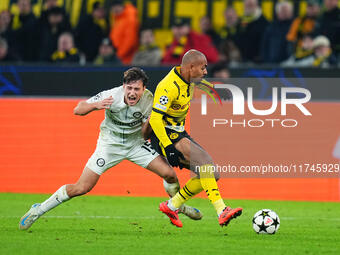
(66,52)
(252,27)
(5,21)
(5,55)
(304,25)
(148,53)
(47,5)
(186,39)
(23,26)
(229,53)
(322,55)
(302,52)
(329,24)
(91,31)
(5,29)
(48,36)
(124,32)
(106,54)
(323,52)
(220,70)
(232,27)
(275,47)
(208,30)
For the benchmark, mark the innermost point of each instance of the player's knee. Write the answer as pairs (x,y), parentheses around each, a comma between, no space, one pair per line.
(205,159)
(82,189)
(170,176)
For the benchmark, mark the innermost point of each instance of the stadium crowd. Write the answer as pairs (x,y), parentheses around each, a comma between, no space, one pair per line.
(112,34)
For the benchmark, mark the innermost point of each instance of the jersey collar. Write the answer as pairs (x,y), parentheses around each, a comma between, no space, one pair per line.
(176,70)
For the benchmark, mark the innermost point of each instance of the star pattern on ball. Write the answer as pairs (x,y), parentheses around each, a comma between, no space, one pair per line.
(262,227)
(264,213)
(276,222)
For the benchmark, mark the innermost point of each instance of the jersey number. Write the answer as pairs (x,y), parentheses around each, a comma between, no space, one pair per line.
(147,146)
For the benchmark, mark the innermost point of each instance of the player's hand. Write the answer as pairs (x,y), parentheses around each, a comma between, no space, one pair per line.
(104,104)
(173,155)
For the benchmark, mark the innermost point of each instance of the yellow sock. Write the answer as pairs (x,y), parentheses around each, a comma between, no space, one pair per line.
(219,206)
(209,184)
(190,189)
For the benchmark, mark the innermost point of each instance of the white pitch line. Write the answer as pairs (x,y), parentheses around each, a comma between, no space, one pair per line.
(86,217)
(150,217)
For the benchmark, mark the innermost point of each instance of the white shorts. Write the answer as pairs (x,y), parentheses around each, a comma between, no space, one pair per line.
(108,155)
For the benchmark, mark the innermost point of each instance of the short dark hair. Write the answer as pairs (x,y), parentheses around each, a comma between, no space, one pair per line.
(135,74)
(219,67)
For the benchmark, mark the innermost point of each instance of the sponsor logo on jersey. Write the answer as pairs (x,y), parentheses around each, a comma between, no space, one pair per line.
(131,124)
(100,162)
(173,136)
(176,106)
(137,115)
(163,100)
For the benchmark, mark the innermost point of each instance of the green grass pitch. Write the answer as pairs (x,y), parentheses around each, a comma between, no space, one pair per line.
(128,225)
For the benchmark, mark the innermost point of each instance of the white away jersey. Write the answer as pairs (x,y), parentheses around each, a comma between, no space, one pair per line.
(123,123)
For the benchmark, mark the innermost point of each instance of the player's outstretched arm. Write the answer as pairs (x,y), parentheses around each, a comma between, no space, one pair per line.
(84,107)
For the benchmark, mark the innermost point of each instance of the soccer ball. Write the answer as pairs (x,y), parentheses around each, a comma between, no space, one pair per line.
(266,221)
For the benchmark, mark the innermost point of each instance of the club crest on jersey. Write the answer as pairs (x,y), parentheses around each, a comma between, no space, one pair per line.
(173,136)
(100,162)
(163,100)
(97,97)
(176,106)
(137,115)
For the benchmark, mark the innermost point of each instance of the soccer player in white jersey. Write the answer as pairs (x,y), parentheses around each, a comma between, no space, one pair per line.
(127,109)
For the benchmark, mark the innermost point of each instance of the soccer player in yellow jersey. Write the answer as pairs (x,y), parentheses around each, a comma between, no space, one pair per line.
(170,108)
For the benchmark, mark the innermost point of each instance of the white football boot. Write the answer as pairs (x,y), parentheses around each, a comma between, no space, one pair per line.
(191,212)
(30,217)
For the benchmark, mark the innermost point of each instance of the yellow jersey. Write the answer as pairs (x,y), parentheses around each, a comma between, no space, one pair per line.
(171,104)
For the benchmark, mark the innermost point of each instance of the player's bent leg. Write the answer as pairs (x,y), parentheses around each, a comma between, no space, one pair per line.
(202,163)
(191,212)
(189,148)
(86,182)
(161,167)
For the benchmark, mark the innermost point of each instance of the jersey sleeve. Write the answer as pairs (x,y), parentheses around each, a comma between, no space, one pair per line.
(148,106)
(164,95)
(100,96)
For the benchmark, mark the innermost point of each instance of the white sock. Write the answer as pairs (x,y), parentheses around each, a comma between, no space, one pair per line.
(56,199)
(171,188)
(171,206)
